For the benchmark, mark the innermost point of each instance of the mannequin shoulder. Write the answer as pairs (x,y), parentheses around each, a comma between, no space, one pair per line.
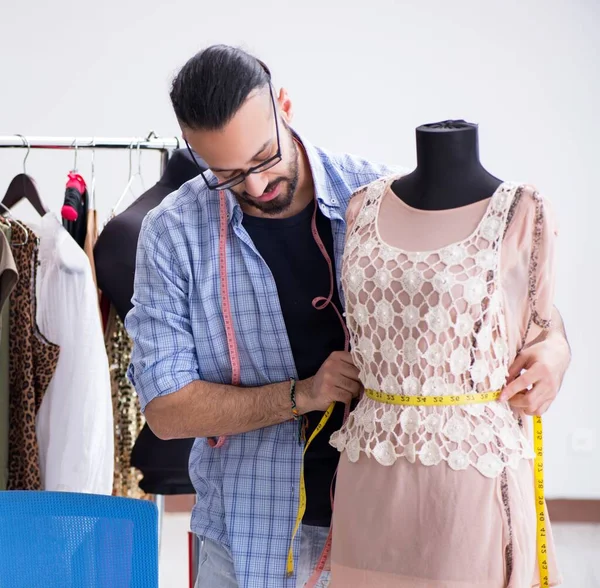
(357,200)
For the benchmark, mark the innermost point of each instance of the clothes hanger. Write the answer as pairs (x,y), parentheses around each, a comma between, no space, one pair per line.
(93,183)
(132,177)
(23,187)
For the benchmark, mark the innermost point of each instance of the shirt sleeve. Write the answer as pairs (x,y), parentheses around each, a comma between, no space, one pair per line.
(164,358)
(354,207)
(528,260)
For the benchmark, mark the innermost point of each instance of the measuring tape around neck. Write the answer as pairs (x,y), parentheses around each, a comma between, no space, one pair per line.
(538,465)
(234,356)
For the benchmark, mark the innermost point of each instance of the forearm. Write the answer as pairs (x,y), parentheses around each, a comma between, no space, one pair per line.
(558,327)
(204,409)
(556,333)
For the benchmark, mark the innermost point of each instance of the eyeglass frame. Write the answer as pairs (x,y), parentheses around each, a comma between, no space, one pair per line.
(261,167)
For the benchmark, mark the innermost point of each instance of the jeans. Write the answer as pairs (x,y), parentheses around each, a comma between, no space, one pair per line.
(215,566)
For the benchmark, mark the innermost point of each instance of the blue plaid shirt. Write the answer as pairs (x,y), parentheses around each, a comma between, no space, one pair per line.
(247,491)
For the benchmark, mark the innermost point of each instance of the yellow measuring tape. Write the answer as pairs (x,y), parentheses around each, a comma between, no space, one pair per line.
(302,505)
(463,399)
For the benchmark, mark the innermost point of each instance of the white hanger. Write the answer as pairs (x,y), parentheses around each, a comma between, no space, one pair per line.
(132,178)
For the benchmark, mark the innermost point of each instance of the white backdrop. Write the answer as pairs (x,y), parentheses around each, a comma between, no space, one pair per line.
(362,76)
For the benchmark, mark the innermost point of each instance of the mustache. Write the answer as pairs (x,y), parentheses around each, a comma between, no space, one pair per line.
(270,187)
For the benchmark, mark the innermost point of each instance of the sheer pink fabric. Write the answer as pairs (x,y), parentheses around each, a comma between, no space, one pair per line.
(434,526)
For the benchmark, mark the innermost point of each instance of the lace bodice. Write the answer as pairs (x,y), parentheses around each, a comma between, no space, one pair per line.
(430,323)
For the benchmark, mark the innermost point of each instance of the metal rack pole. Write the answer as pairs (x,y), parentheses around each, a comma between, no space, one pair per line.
(151,142)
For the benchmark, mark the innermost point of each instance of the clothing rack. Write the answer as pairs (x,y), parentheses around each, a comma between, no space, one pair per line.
(151,142)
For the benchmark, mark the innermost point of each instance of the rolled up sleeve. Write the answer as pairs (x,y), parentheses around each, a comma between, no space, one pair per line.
(164,356)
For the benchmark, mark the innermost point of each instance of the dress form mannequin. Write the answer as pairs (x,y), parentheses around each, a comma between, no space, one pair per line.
(449,173)
(164,464)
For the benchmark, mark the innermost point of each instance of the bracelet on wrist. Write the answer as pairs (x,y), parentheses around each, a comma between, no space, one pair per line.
(295,412)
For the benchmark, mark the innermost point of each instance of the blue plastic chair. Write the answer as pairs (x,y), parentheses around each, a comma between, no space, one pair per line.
(69,540)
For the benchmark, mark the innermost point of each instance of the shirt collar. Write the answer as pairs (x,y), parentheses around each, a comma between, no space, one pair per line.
(323,189)
(324,193)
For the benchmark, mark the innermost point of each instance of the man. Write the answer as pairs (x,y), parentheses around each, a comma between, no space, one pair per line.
(248,490)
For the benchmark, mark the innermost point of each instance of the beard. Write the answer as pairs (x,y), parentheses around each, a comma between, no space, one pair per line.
(288,182)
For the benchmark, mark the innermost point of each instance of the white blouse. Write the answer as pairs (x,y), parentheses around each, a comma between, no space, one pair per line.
(75,422)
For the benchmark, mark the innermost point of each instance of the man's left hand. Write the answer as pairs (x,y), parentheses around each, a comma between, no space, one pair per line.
(545,363)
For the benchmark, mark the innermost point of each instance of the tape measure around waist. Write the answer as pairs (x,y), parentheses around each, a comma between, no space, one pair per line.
(399,399)
(459,400)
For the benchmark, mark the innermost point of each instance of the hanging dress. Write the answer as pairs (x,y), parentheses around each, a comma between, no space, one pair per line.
(33,361)
(440,497)
(128,417)
(75,420)
(8,279)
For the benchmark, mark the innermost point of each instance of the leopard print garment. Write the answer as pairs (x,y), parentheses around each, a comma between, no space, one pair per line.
(127,415)
(33,360)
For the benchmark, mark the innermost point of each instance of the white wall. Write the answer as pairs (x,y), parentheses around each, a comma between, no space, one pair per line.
(363,75)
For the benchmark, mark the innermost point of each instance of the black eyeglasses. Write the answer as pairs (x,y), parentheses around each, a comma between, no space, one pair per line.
(257,169)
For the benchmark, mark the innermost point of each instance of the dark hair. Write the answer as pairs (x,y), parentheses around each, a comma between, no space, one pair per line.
(212,86)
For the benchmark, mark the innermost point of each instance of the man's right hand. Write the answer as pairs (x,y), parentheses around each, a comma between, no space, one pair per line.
(336,381)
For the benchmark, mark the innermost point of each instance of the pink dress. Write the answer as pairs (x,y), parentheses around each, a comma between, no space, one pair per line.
(440,303)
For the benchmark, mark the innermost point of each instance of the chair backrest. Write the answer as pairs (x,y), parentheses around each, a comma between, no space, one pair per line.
(71,540)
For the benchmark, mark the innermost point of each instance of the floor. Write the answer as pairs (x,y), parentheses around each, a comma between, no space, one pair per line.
(578,547)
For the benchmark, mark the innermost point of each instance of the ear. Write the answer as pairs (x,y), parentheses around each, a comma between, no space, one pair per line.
(285,106)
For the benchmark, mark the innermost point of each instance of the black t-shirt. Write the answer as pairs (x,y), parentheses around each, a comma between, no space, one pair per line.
(301,274)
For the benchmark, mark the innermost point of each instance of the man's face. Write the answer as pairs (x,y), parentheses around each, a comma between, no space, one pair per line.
(246,141)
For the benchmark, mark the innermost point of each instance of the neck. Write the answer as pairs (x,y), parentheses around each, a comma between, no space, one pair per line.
(305,191)
(449,173)
(451,151)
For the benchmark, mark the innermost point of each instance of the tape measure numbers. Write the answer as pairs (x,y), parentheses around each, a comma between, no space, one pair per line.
(540,502)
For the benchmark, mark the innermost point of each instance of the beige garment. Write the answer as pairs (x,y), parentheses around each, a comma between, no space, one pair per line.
(8,270)
(431,311)
(8,278)
(91,236)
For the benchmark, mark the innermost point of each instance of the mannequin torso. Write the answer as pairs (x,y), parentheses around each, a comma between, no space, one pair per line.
(449,173)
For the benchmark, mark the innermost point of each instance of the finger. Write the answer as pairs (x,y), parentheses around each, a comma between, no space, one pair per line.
(349,385)
(344,356)
(519,400)
(537,398)
(531,401)
(528,378)
(350,372)
(340,395)
(518,366)
(544,408)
